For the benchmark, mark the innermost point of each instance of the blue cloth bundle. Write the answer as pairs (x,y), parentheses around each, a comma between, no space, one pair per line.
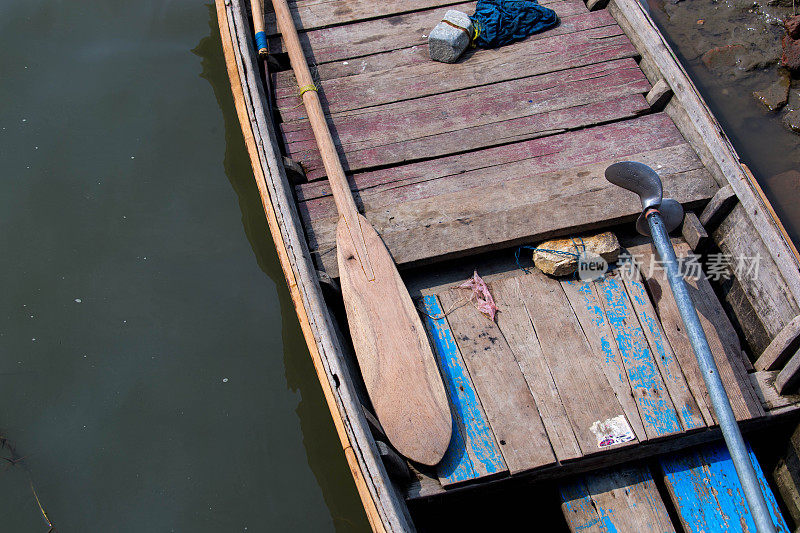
(499,22)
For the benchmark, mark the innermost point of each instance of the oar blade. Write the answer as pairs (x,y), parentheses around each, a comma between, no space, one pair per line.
(393,351)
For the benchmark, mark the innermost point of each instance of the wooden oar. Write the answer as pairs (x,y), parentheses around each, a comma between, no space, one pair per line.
(262,45)
(393,351)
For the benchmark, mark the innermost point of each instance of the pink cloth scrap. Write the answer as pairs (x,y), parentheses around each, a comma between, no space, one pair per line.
(480,292)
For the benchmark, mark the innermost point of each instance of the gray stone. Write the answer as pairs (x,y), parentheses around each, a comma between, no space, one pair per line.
(792,120)
(603,244)
(776,95)
(448,40)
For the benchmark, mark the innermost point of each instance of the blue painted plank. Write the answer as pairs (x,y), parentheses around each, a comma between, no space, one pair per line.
(655,407)
(584,302)
(616,499)
(707,493)
(473,452)
(688,410)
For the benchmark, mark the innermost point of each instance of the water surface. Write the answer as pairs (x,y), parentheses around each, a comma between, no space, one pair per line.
(153,376)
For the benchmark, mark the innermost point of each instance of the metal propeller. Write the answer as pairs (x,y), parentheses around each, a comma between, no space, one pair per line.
(644,181)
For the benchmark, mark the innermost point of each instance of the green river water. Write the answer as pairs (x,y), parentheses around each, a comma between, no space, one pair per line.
(153,376)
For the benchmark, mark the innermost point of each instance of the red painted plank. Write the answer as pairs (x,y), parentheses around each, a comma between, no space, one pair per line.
(421,78)
(476,118)
(394,32)
(518,160)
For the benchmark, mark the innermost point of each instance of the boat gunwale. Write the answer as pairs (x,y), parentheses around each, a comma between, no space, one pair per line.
(385,509)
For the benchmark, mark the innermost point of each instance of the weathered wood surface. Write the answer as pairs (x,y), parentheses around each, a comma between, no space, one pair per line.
(586,305)
(690,416)
(406,77)
(718,207)
(721,336)
(473,452)
(788,378)
(694,233)
(515,324)
(394,32)
(763,382)
(503,204)
(558,152)
(707,494)
(310,14)
(765,292)
(781,348)
(589,400)
(655,407)
(501,386)
(476,118)
(659,95)
(619,499)
(787,476)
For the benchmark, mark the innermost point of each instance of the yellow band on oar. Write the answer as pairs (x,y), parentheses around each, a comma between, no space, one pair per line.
(305,88)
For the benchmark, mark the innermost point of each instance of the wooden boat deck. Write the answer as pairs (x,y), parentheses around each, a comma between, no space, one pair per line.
(457,165)
(506,146)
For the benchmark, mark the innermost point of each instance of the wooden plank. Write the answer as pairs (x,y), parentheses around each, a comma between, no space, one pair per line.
(721,336)
(503,213)
(688,410)
(787,476)
(719,207)
(585,304)
(781,348)
(707,494)
(658,96)
(694,233)
(394,32)
(789,378)
(652,398)
(516,326)
(412,80)
(476,118)
(589,400)
(619,499)
(763,382)
(473,452)
(382,503)
(311,14)
(557,152)
(767,293)
(503,391)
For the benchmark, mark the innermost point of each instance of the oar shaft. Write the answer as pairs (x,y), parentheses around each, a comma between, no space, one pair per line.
(257,8)
(330,158)
(708,368)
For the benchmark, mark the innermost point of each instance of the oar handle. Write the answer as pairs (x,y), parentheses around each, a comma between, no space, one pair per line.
(258,26)
(308,91)
(708,367)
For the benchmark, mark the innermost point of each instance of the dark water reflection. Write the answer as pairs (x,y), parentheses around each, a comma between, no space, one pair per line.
(152,373)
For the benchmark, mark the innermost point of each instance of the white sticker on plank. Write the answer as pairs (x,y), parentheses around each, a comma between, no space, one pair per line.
(612,431)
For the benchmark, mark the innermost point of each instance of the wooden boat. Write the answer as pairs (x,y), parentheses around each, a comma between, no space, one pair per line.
(457,166)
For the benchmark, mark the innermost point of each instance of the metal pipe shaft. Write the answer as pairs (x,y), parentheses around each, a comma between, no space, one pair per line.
(708,368)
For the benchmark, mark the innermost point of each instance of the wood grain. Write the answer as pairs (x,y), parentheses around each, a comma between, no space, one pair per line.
(688,410)
(618,499)
(515,324)
(782,347)
(476,118)
(721,336)
(473,452)
(587,308)
(407,76)
(588,398)
(707,494)
(394,355)
(503,391)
